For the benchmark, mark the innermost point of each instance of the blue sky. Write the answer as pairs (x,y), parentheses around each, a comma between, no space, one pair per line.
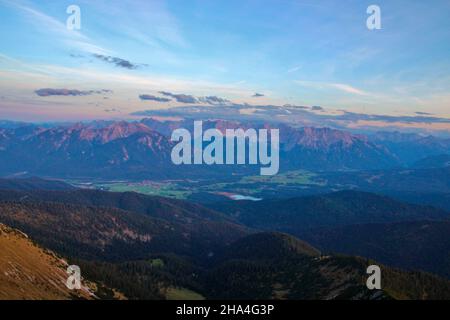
(292,52)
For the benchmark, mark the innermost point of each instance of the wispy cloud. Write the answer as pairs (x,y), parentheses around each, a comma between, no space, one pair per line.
(46,92)
(257,95)
(327,85)
(294,69)
(117,80)
(302,116)
(118,62)
(148,22)
(112,110)
(354,117)
(187,98)
(347,88)
(183,98)
(72,38)
(150,97)
(273,111)
(214,100)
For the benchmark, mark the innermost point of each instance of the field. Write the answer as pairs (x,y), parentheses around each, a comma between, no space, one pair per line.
(299,177)
(153,188)
(255,186)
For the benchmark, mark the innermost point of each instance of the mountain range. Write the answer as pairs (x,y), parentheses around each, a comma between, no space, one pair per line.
(411,147)
(142,149)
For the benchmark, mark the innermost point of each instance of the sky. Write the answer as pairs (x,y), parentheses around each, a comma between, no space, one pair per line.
(136,55)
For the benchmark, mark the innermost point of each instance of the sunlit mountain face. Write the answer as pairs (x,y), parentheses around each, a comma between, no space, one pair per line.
(167,150)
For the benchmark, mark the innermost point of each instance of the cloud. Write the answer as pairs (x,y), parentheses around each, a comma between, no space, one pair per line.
(300,116)
(347,88)
(149,22)
(153,98)
(288,106)
(294,69)
(187,98)
(317,108)
(213,100)
(183,98)
(423,113)
(111,79)
(257,95)
(75,55)
(46,92)
(112,110)
(117,61)
(353,117)
(45,22)
(327,85)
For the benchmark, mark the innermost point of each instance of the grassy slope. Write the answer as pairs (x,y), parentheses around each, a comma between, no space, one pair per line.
(29,272)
